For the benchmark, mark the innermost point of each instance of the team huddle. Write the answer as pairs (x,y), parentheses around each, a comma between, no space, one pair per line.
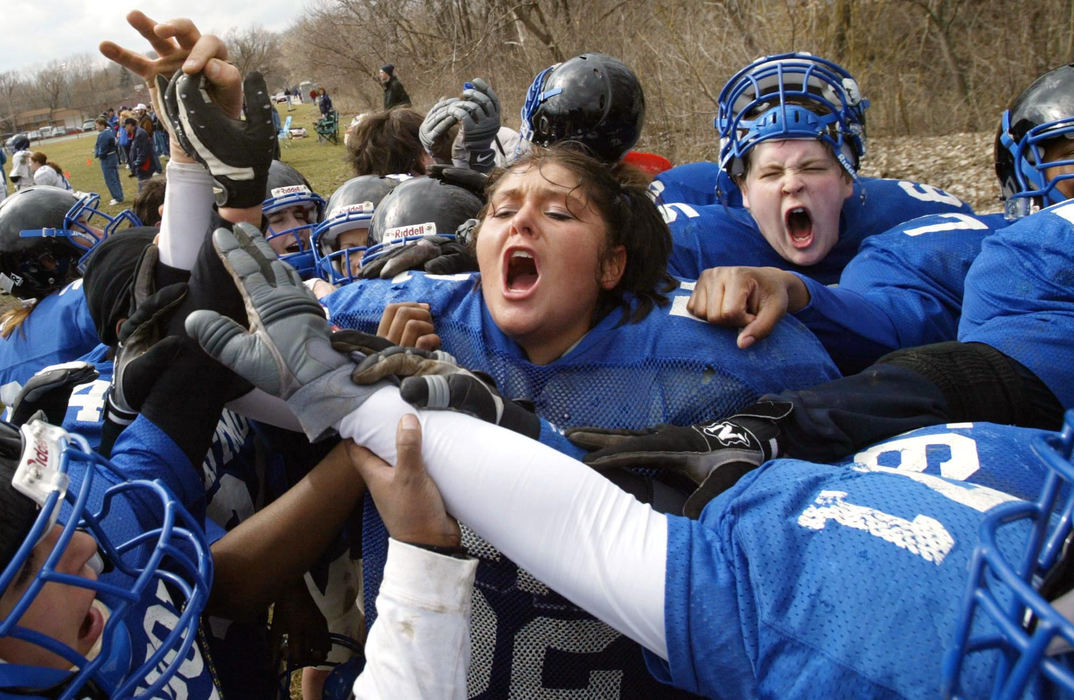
(522,414)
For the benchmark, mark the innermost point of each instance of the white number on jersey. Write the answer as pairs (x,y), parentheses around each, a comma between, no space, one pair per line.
(928,193)
(957,222)
(671,211)
(957,459)
(89,399)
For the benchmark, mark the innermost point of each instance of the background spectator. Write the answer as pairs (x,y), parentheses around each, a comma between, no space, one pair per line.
(46,172)
(107,151)
(394,92)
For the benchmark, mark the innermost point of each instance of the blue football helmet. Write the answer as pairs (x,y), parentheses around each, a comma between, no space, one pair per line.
(791,96)
(1017,608)
(46,236)
(288,188)
(51,477)
(350,207)
(1043,112)
(592,99)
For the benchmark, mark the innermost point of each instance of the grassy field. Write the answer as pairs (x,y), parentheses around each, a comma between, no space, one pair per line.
(322,163)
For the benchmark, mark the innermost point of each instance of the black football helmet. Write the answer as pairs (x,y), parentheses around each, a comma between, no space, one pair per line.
(593,99)
(286,188)
(20,142)
(44,234)
(418,207)
(350,207)
(1044,111)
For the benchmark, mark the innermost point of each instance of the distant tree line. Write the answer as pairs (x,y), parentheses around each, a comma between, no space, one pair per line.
(927,66)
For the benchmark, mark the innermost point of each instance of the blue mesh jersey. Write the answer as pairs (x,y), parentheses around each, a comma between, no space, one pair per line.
(811,580)
(690,369)
(1020,296)
(58,329)
(718,235)
(527,641)
(234,468)
(902,289)
(699,184)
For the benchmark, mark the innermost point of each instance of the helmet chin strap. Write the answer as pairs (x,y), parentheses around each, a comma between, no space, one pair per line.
(1064,604)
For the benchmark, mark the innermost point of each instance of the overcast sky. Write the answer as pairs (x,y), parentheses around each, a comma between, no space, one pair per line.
(37,32)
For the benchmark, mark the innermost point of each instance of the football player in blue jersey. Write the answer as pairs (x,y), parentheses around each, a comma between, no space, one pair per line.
(1010,362)
(339,241)
(792,130)
(744,601)
(45,233)
(292,211)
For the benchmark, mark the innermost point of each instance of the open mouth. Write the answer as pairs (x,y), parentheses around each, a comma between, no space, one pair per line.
(522,273)
(799,226)
(92,627)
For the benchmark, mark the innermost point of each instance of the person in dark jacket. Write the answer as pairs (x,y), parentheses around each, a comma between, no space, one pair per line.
(325,103)
(394,92)
(141,153)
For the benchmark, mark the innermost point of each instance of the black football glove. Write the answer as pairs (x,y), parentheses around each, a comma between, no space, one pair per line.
(712,455)
(182,390)
(237,152)
(49,391)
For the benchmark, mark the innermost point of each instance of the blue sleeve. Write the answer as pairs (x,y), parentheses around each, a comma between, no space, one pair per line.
(558,441)
(144,451)
(853,329)
(1018,296)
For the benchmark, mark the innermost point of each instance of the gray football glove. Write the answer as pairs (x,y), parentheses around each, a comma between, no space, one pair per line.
(287,350)
(436,124)
(478,113)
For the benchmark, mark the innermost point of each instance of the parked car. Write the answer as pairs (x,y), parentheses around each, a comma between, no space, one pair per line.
(279,97)
(34,135)
(88,125)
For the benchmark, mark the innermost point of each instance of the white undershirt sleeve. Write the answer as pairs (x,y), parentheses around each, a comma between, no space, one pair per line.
(573,529)
(188,208)
(419,647)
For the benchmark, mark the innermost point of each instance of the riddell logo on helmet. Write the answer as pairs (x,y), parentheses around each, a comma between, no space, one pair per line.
(359,208)
(290,189)
(426,229)
(39,458)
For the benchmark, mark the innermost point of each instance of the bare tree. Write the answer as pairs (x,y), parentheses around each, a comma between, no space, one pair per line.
(51,84)
(10,83)
(255,48)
